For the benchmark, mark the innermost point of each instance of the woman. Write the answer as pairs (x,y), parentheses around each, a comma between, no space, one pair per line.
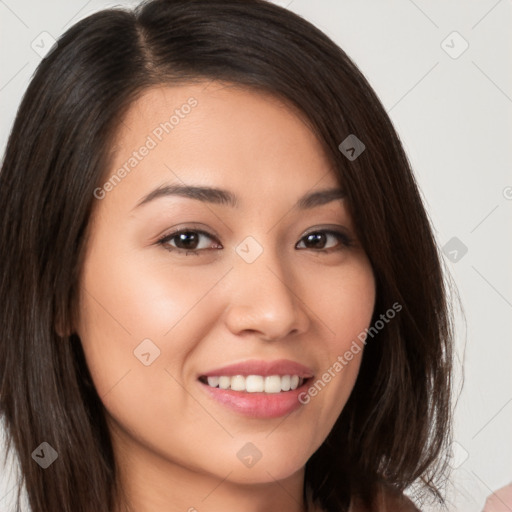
(220,287)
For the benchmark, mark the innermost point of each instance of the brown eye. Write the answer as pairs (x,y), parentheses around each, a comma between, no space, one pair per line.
(318,239)
(185,240)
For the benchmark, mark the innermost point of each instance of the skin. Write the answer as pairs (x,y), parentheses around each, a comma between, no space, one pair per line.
(176,446)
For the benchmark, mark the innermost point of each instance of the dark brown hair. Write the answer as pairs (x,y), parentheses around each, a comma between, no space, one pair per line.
(397,421)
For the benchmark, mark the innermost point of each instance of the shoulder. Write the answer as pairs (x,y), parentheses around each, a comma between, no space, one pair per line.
(392,501)
(387,500)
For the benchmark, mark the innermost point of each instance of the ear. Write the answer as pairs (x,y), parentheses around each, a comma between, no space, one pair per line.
(62,328)
(62,331)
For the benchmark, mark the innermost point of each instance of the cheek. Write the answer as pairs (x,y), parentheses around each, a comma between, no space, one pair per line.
(139,293)
(132,306)
(136,335)
(344,304)
(143,298)
(346,312)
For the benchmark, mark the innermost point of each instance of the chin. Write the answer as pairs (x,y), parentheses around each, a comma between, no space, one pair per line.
(264,472)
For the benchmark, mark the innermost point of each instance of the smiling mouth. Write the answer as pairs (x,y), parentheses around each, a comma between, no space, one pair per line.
(272,384)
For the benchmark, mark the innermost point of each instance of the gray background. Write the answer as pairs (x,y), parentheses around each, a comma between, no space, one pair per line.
(453,114)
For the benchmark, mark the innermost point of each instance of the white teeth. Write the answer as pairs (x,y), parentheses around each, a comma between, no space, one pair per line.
(213,381)
(238,383)
(224,382)
(253,384)
(273,384)
(256,383)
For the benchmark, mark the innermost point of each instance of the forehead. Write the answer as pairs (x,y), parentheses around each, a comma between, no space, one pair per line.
(220,135)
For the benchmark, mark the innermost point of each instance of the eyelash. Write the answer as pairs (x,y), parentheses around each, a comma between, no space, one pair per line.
(345,240)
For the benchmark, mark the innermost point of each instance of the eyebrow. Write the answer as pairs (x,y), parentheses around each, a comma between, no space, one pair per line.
(227,198)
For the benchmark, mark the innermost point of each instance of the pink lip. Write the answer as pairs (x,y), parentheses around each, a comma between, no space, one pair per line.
(260,405)
(263,368)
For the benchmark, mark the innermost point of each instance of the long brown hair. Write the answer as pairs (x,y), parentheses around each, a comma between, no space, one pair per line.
(397,422)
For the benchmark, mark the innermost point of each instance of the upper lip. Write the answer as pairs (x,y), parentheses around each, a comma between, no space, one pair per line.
(263,368)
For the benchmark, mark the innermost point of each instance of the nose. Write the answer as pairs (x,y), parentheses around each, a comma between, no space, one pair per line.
(267,299)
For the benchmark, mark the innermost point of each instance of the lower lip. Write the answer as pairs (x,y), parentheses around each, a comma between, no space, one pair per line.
(258,405)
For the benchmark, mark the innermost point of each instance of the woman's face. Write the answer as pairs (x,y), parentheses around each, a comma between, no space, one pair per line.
(266,283)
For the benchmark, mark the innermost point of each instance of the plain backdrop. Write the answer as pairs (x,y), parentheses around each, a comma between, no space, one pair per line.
(442,71)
